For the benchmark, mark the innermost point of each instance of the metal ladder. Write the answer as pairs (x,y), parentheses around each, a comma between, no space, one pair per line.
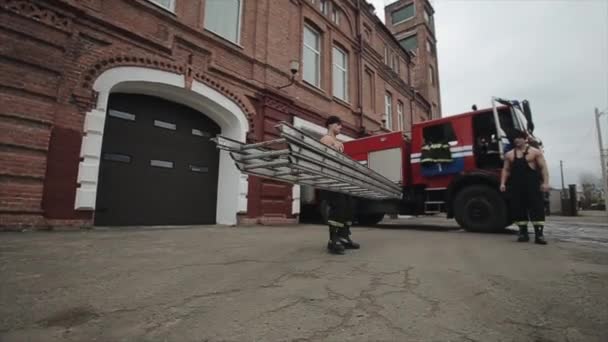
(298,158)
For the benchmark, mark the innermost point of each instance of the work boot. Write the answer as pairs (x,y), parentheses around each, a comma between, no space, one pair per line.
(344,234)
(538,235)
(523,234)
(334,245)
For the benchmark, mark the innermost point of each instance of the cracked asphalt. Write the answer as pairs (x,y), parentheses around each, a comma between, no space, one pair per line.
(411,281)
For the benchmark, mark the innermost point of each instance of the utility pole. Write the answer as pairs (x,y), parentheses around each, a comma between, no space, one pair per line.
(561,168)
(603,153)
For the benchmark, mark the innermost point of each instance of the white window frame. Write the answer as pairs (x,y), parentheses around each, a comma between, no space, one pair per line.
(400,115)
(324,6)
(404,20)
(343,70)
(317,52)
(396,63)
(386,55)
(335,15)
(388,110)
(239,23)
(171,7)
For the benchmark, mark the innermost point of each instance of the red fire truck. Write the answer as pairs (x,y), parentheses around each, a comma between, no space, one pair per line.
(449,165)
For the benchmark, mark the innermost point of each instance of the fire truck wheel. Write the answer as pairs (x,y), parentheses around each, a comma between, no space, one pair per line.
(480,208)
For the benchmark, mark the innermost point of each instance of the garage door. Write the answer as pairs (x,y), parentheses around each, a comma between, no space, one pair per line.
(158,166)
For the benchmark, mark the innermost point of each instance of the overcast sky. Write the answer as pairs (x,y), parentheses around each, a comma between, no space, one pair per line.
(553,53)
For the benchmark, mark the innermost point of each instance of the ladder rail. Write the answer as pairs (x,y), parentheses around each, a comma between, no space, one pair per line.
(292,134)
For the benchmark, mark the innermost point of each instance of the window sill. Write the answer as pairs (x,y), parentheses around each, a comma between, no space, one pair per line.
(221,39)
(314,88)
(164,10)
(342,102)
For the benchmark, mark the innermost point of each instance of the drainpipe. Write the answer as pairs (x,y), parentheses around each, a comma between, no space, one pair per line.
(409,80)
(359,68)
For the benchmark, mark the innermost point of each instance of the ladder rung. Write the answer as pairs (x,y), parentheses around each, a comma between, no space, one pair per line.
(262,144)
(261,155)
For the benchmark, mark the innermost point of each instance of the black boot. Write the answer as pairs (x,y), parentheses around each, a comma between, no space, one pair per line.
(344,234)
(334,245)
(538,235)
(523,234)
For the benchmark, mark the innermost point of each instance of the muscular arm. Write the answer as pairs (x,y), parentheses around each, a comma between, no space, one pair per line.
(542,165)
(506,170)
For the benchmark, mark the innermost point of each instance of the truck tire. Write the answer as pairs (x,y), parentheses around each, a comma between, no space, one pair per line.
(480,208)
(369,219)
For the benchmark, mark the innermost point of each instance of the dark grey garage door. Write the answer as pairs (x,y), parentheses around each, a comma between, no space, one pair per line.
(158,166)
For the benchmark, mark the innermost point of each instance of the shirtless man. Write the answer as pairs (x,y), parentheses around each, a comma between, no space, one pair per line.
(526,171)
(340,205)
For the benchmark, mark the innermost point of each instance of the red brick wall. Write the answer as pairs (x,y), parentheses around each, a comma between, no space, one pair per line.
(53,50)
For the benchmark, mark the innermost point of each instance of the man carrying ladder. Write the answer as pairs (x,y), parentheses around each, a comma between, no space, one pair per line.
(340,205)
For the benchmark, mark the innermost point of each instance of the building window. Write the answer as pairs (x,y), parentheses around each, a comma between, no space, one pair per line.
(367,33)
(396,63)
(429,19)
(340,74)
(166,4)
(403,14)
(386,55)
(400,115)
(223,17)
(312,56)
(432,75)
(369,90)
(409,43)
(335,16)
(324,6)
(388,109)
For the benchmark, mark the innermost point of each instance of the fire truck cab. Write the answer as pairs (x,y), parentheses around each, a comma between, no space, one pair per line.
(449,165)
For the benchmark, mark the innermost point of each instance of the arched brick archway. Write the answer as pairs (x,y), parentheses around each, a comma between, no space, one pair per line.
(232,119)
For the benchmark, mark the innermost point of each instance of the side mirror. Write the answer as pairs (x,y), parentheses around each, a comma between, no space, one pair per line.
(528,115)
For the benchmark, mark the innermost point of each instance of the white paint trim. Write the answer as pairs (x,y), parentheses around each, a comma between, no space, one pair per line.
(455,155)
(300,124)
(232,185)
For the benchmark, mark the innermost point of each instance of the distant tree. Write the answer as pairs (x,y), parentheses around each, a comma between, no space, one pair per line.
(591,185)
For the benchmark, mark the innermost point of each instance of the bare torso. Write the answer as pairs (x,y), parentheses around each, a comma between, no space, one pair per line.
(531,157)
(333,142)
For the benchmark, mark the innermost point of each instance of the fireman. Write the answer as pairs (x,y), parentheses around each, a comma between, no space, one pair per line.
(340,205)
(526,171)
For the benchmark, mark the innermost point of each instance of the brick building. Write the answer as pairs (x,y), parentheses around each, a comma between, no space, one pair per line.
(413,24)
(107,106)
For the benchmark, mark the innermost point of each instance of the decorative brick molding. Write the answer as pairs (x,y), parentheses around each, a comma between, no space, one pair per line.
(39,13)
(84,96)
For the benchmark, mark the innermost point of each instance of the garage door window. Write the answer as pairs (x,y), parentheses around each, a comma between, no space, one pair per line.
(200,169)
(163,124)
(200,133)
(121,115)
(161,163)
(116,157)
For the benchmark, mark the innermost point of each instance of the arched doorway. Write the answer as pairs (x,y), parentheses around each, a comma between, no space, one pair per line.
(158,165)
(231,185)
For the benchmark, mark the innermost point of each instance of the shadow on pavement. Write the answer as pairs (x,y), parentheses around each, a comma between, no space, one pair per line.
(436,228)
